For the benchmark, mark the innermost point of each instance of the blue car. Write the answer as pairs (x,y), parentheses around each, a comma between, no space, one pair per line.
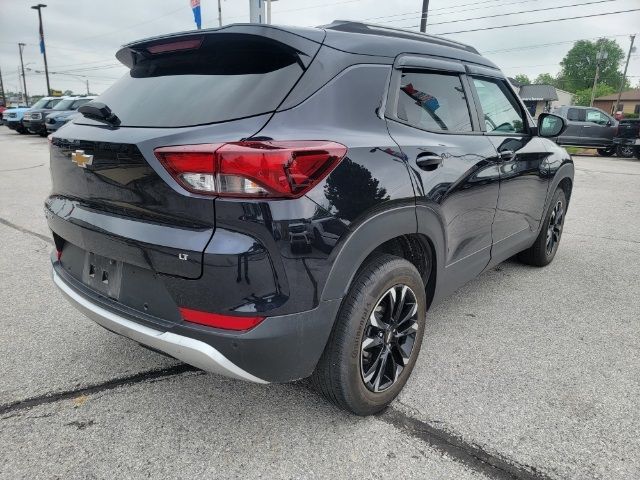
(15,116)
(62,112)
(12,118)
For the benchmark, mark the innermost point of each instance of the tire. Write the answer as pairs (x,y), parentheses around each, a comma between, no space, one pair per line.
(607,152)
(637,153)
(625,151)
(342,372)
(539,254)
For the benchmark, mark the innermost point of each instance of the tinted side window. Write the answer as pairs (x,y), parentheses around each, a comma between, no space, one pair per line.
(501,110)
(575,114)
(433,101)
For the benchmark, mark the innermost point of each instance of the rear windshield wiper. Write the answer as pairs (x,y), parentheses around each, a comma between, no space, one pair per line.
(100,112)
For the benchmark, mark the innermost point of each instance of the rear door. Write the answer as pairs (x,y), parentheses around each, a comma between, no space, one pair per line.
(575,124)
(524,178)
(598,128)
(453,166)
(110,194)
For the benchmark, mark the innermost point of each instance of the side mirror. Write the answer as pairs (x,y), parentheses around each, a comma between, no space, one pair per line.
(550,125)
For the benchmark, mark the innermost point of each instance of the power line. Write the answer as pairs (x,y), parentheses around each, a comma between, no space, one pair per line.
(519,12)
(507,4)
(451,7)
(541,21)
(526,47)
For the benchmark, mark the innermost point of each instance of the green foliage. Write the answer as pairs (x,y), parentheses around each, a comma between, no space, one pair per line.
(579,65)
(546,79)
(583,97)
(522,79)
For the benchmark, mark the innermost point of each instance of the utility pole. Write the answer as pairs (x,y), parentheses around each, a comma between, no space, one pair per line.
(87,80)
(601,55)
(423,18)
(219,13)
(39,7)
(24,79)
(268,12)
(624,75)
(4,98)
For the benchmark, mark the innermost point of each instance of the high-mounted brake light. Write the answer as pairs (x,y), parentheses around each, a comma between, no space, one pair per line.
(227,322)
(252,169)
(175,46)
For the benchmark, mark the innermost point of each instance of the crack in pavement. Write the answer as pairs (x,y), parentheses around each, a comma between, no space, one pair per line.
(9,224)
(456,448)
(96,388)
(453,446)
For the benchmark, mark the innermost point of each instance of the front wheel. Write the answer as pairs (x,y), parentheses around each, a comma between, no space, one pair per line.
(376,338)
(625,151)
(544,249)
(606,152)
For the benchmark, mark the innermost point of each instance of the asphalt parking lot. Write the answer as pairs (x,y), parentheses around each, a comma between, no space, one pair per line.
(524,373)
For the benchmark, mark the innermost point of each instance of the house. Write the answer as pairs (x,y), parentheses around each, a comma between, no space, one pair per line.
(544,98)
(629,102)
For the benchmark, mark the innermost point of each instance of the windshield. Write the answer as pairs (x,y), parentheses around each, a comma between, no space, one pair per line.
(64,104)
(40,103)
(79,103)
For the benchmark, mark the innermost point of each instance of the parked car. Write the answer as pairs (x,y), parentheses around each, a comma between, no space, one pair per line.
(588,127)
(173,213)
(61,112)
(627,138)
(34,118)
(12,118)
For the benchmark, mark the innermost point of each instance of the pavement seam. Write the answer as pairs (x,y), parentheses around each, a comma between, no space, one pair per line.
(9,224)
(473,456)
(100,387)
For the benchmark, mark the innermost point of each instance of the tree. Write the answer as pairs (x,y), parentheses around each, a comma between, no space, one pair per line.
(579,64)
(351,190)
(545,79)
(522,79)
(583,97)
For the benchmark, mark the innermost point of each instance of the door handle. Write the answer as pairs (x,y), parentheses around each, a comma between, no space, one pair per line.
(428,161)
(506,154)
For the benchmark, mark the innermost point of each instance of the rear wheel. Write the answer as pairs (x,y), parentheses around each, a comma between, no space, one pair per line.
(625,151)
(541,253)
(376,339)
(606,152)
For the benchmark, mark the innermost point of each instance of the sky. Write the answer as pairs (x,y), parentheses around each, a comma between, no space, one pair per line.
(82,36)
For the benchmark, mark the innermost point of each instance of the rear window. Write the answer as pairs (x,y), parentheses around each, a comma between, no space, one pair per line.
(229,76)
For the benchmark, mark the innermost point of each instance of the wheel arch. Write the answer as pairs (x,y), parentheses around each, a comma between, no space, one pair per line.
(396,231)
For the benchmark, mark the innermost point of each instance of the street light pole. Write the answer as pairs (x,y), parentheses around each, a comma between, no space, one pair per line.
(43,50)
(219,13)
(423,18)
(624,75)
(268,12)
(24,79)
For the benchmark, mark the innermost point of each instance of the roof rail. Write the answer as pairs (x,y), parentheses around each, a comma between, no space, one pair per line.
(373,29)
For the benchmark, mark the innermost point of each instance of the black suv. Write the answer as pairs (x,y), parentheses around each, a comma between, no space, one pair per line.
(275,203)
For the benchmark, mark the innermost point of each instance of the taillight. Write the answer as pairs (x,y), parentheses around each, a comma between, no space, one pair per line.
(250,169)
(227,322)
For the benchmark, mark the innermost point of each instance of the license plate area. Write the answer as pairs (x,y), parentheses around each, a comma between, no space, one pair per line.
(102,274)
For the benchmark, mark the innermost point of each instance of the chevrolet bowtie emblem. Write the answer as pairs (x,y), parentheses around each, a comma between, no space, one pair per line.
(79,158)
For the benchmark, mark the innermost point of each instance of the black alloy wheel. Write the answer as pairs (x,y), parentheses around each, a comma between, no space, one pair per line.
(554,228)
(389,337)
(625,151)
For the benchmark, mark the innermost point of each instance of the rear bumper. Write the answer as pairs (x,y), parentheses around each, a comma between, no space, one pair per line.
(280,349)
(189,350)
